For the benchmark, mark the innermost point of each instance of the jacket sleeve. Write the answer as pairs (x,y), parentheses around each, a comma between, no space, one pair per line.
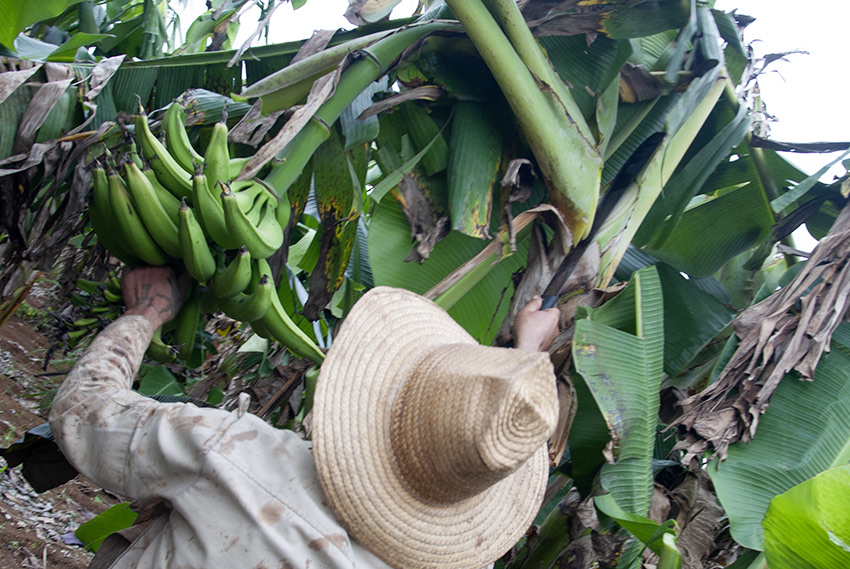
(121,440)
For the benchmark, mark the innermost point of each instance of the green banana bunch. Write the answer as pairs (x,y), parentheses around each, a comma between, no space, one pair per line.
(261,237)
(234,277)
(196,252)
(96,305)
(156,219)
(174,205)
(177,139)
(168,171)
(130,226)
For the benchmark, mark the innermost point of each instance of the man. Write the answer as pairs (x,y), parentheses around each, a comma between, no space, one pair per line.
(431,434)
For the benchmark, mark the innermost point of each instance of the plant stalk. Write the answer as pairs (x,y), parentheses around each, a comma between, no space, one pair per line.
(570,164)
(377,58)
(507,14)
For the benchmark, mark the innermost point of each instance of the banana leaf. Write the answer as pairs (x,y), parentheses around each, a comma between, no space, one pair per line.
(475,155)
(804,432)
(18,15)
(714,143)
(334,190)
(740,219)
(482,310)
(807,526)
(619,351)
(692,318)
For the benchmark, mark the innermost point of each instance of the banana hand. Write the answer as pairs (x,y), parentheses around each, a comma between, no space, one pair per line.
(262,239)
(151,210)
(168,171)
(132,229)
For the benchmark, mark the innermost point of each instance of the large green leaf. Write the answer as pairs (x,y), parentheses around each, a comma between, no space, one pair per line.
(158,381)
(692,318)
(18,14)
(93,532)
(726,225)
(619,350)
(713,144)
(808,526)
(588,69)
(482,310)
(474,158)
(649,532)
(804,432)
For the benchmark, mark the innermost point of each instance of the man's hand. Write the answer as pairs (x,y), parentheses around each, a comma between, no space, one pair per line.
(536,329)
(154,292)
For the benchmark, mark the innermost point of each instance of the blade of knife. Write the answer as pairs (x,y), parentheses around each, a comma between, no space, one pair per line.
(627,174)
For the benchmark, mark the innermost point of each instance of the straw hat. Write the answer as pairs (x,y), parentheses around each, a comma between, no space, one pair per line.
(430,448)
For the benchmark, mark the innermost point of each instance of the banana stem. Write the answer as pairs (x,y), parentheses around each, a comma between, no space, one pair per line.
(317,64)
(509,17)
(570,164)
(377,58)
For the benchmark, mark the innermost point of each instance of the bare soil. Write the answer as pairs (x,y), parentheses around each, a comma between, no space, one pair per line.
(31,524)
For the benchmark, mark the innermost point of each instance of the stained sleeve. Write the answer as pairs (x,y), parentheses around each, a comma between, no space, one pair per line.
(123,441)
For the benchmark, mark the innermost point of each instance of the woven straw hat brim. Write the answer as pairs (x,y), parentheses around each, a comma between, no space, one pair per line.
(383,337)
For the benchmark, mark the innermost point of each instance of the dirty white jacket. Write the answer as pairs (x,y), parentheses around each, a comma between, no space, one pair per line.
(243,495)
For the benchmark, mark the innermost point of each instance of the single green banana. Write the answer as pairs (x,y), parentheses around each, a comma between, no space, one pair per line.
(217,156)
(107,310)
(187,322)
(236,165)
(113,297)
(233,277)
(177,138)
(283,213)
(210,212)
(168,171)
(209,302)
(131,151)
(103,222)
(74,336)
(249,307)
(168,200)
(197,255)
(159,351)
(280,326)
(262,239)
(132,228)
(87,322)
(151,210)
(94,288)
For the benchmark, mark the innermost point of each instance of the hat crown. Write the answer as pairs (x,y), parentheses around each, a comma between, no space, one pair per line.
(467,416)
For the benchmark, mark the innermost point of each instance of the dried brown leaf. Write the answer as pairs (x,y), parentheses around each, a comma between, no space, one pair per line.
(11,80)
(776,337)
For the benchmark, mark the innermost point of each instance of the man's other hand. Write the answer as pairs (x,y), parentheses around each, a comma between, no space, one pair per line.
(154,292)
(536,329)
